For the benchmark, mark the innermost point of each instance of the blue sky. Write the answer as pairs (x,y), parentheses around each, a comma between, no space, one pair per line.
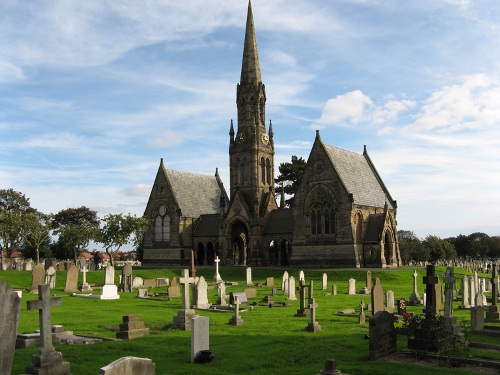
(93,93)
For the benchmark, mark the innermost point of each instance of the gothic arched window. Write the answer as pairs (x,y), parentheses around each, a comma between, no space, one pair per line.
(322,215)
(268,172)
(263,170)
(162,225)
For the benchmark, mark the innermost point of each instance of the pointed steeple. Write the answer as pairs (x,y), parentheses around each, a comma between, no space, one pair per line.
(250,68)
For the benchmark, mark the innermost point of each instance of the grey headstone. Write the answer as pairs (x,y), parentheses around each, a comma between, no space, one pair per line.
(10,305)
(377,297)
(72,279)
(37,278)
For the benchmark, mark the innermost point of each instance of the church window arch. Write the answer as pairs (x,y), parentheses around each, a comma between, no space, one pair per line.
(263,170)
(245,171)
(268,171)
(239,172)
(162,225)
(322,215)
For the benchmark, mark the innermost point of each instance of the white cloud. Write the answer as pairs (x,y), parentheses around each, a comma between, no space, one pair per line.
(167,139)
(10,72)
(350,107)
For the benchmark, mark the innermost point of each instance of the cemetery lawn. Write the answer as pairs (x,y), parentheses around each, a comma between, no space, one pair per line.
(271,340)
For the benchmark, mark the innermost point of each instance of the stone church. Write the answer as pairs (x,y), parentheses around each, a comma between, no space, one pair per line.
(342,215)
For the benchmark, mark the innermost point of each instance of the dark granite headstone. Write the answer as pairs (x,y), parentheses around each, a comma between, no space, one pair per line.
(382,335)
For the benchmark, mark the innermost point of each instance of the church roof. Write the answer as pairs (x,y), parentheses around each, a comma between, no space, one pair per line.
(196,194)
(359,177)
(207,226)
(280,221)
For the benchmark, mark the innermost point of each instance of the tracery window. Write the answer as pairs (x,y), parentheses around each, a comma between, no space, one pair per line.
(162,225)
(322,215)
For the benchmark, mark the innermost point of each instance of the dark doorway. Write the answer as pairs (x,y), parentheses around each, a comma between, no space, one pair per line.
(201,254)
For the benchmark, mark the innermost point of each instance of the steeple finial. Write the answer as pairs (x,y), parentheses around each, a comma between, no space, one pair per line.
(250,68)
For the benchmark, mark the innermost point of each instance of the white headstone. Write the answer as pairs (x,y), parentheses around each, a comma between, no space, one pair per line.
(249,276)
(325,281)
(352,286)
(389,298)
(200,335)
(284,281)
(291,289)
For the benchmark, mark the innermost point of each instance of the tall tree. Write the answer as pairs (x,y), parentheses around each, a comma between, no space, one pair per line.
(36,231)
(13,207)
(439,248)
(410,247)
(118,230)
(76,227)
(290,176)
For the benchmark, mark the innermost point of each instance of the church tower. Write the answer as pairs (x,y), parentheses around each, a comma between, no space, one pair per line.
(251,149)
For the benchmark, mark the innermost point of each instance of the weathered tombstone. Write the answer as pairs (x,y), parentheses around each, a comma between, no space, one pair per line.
(334,289)
(284,281)
(302,311)
(368,287)
(132,327)
(313,325)
(430,280)
(72,279)
(472,299)
(477,318)
(202,294)
(162,281)
(415,297)
(174,291)
(37,277)
(149,283)
(325,281)
(84,287)
(200,337)
(285,287)
(126,283)
(377,297)
(302,276)
(250,292)
(270,281)
(138,282)
(389,301)
(50,277)
(351,286)
(249,276)
(493,312)
(10,305)
(221,294)
(242,298)
(47,361)
(27,266)
(142,292)
(465,292)
(438,297)
(236,319)
(382,335)
(362,316)
(450,321)
(217,277)
(129,366)
(291,289)
(184,316)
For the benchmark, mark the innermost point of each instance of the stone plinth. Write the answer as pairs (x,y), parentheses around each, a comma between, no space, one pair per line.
(132,327)
(183,319)
(48,363)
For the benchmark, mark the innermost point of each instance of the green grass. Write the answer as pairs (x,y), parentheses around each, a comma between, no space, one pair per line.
(271,341)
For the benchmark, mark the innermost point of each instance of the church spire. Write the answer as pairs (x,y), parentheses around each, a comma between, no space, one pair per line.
(250,68)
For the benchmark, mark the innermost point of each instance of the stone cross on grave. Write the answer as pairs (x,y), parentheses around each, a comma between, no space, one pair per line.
(415,288)
(449,281)
(217,277)
(43,305)
(185,281)
(363,306)
(430,280)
